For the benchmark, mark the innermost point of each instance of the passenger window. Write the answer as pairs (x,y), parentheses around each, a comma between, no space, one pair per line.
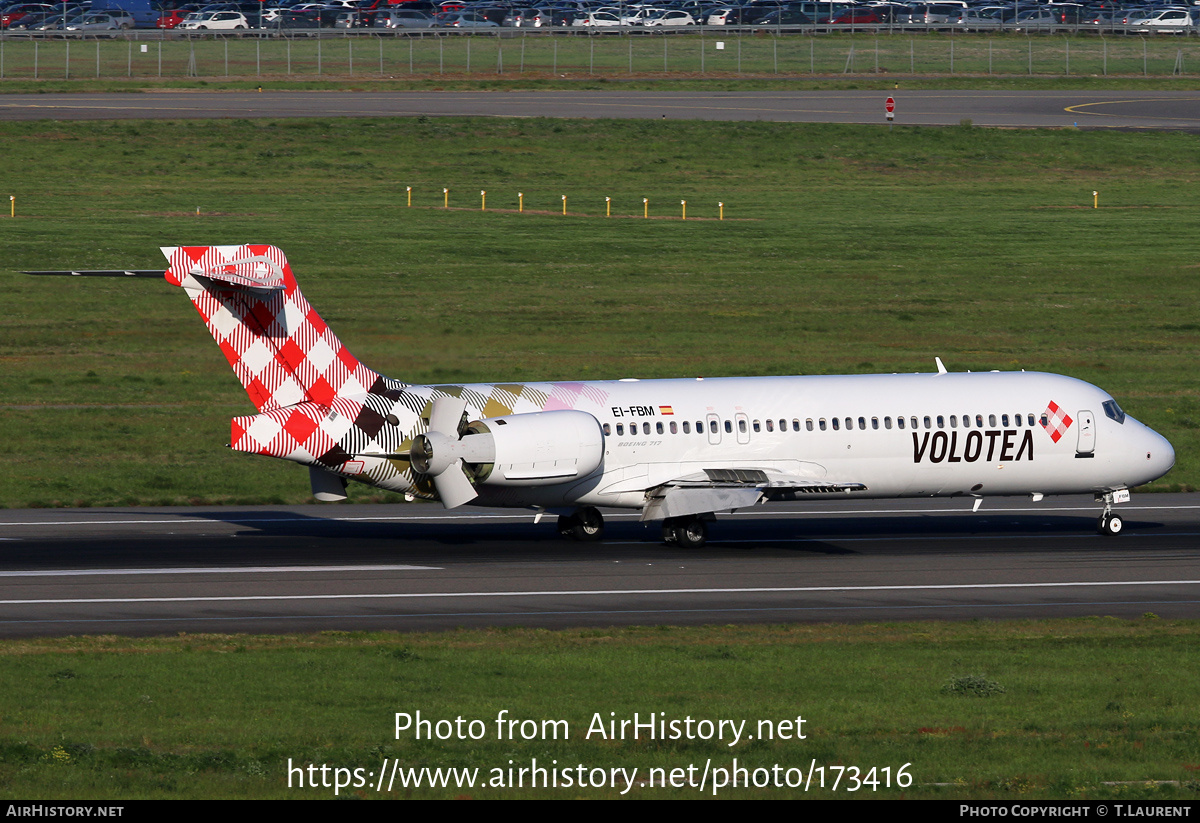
(862,423)
(875,423)
(645,428)
(835,423)
(728,427)
(979,421)
(821,423)
(966,421)
(1122,420)
(913,420)
(900,422)
(742,426)
(687,427)
(954,421)
(620,430)
(941,422)
(783,425)
(928,422)
(658,427)
(770,425)
(808,424)
(756,428)
(992,420)
(849,424)
(674,428)
(712,426)
(607,430)
(1004,420)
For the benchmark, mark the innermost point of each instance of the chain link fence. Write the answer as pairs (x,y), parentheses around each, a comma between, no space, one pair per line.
(147,55)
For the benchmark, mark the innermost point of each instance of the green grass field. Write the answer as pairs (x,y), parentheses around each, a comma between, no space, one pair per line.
(1070,709)
(843,249)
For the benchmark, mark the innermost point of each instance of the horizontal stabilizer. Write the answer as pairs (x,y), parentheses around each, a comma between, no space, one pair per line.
(104,273)
(237,265)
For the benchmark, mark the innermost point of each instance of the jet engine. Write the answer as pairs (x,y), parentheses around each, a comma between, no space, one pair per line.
(533,449)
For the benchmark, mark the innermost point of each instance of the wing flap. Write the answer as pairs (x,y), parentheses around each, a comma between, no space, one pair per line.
(726,490)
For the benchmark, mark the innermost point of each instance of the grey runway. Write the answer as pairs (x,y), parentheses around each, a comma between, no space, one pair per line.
(418,567)
(1151,110)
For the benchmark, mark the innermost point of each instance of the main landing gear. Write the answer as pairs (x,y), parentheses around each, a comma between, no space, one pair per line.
(688,532)
(1110,523)
(586,524)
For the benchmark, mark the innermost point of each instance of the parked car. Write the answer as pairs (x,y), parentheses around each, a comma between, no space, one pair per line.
(1166,21)
(111,20)
(528,18)
(467,20)
(14,13)
(402,19)
(784,17)
(669,18)
(216,20)
(598,19)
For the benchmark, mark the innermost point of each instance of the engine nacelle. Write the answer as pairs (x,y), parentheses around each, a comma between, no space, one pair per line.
(537,448)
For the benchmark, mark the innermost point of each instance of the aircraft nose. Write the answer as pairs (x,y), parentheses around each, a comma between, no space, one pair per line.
(1160,455)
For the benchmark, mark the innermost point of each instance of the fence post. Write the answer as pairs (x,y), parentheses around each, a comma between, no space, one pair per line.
(258,57)
(1067,41)
(499,54)
(67,70)
(97,58)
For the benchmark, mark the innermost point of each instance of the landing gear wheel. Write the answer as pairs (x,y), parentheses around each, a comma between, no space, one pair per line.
(1110,524)
(685,532)
(585,525)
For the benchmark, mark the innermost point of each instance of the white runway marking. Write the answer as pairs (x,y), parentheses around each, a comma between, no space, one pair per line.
(218,570)
(570,593)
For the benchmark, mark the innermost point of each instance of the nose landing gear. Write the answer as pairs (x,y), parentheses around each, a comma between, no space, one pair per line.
(1110,523)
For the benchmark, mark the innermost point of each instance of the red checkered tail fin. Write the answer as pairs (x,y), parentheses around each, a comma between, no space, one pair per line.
(279,347)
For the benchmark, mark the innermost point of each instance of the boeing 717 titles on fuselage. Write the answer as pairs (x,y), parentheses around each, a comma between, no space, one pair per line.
(678,451)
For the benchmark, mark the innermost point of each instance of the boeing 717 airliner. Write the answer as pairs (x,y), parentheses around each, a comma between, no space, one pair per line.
(678,451)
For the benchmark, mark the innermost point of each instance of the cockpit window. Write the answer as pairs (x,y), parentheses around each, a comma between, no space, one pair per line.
(1114,411)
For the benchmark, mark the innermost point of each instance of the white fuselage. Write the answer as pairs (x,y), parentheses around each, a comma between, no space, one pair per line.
(905,435)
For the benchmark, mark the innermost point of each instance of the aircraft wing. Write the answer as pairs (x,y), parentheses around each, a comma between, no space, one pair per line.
(714,490)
